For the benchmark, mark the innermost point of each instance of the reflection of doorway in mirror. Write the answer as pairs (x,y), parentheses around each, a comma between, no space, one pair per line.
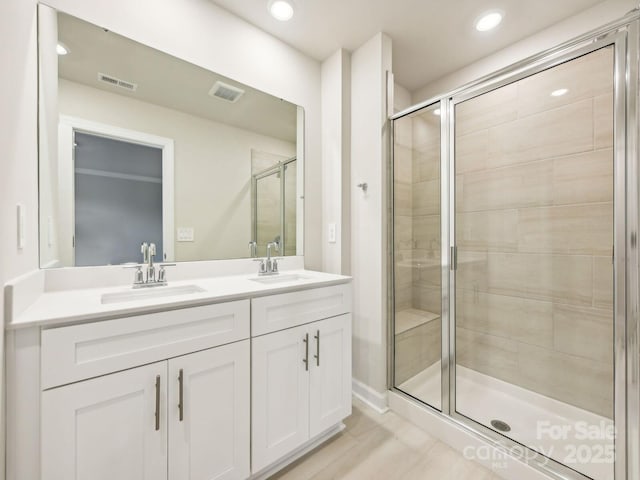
(118,185)
(273,202)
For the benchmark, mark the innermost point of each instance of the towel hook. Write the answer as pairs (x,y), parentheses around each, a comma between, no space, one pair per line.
(363,186)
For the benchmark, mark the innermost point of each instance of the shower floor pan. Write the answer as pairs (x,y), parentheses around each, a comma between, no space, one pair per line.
(549,426)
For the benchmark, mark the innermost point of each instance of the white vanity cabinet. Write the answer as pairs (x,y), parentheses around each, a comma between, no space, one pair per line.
(184,418)
(301,376)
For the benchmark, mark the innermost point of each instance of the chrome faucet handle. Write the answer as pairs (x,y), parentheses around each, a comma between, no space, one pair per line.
(162,273)
(138,275)
(253,248)
(144,250)
(274,264)
(262,268)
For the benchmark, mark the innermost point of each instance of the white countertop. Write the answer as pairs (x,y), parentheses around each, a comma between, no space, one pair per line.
(81,305)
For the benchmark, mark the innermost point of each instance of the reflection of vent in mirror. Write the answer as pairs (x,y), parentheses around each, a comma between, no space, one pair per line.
(116,82)
(226,92)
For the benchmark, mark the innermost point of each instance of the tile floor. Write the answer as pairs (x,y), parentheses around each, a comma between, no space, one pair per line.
(383,447)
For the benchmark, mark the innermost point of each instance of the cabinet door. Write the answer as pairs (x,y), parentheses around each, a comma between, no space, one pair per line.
(330,389)
(209,426)
(106,428)
(280,395)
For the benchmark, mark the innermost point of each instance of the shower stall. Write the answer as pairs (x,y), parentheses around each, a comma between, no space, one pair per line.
(273,206)
(514,290)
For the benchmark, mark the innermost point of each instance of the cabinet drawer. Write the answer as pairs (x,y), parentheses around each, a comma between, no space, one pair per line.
(78,352)
(277,312)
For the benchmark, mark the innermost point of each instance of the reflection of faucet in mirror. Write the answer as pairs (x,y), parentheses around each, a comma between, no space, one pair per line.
(253,246)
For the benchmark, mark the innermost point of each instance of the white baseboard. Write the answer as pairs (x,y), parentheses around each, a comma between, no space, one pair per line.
(373,398)
(303,450)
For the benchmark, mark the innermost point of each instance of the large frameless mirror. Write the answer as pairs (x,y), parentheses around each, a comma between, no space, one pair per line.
(139,146)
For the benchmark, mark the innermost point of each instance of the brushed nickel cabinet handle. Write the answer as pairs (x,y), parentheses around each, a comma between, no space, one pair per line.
(181,395)
(305,360)
(317,355)
(157,402)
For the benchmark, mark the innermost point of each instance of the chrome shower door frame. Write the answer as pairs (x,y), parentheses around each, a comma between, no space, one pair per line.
(623,35)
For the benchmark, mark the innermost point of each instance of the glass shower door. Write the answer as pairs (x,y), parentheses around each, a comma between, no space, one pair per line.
(534,290)
(418,265)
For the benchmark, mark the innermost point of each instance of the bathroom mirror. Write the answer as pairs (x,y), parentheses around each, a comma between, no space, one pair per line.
(139,146)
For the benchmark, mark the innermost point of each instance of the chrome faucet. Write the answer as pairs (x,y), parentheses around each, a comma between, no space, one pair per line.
(269,265)
(141,280)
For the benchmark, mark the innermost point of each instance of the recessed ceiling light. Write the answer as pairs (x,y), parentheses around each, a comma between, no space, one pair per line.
(281,10)
(559,92)
(489,21)
(61,49)
(436,111)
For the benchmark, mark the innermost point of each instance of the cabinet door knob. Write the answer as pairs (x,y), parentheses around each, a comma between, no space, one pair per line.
(305,360)
(157,402)
(317,355)
(181,394)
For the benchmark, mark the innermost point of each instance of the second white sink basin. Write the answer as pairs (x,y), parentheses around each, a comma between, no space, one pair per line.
(279,278)
(150,292)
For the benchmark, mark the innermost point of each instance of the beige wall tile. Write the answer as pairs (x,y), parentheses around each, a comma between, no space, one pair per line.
(487,354)
(472,151)
(603,121)
(417,349)
(403,232)
(511,187)
(403,198)
(427,298)
(520,319)
(426,198)
(403,164)
(585,77)
(584,332)
(493,108)
(403,132)
(495,230)
(562,131)
(583,178)
(602,282)
(563,377)
(559,278)
(579,229)
(426,162)
(426,232)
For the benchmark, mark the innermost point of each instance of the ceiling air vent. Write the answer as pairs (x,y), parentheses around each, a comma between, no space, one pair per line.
(117,82)
(226,92)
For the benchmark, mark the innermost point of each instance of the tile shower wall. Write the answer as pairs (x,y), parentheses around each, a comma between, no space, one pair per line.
(417,244)
(534,226)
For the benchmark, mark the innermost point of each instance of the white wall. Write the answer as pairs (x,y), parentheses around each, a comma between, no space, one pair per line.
(212,166)
(196,30)
(369,65)
(336,142)
(561,32)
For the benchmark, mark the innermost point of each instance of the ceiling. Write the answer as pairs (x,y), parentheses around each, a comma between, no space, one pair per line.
(166,81)
(431,38)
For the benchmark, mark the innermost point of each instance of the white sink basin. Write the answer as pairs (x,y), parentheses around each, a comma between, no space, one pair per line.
(268,280)
(150,292)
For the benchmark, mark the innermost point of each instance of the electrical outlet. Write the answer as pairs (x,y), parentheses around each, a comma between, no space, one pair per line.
(185,234)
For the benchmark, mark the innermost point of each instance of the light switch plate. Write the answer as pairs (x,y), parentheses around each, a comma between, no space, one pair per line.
(185,234)
(332,233)
(21,226)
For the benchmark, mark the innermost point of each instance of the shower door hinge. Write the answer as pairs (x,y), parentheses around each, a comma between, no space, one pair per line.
(454,258)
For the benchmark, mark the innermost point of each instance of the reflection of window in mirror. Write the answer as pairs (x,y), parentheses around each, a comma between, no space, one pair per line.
(122,103)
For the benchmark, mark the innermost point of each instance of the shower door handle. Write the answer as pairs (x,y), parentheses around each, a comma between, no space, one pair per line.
(454,258)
